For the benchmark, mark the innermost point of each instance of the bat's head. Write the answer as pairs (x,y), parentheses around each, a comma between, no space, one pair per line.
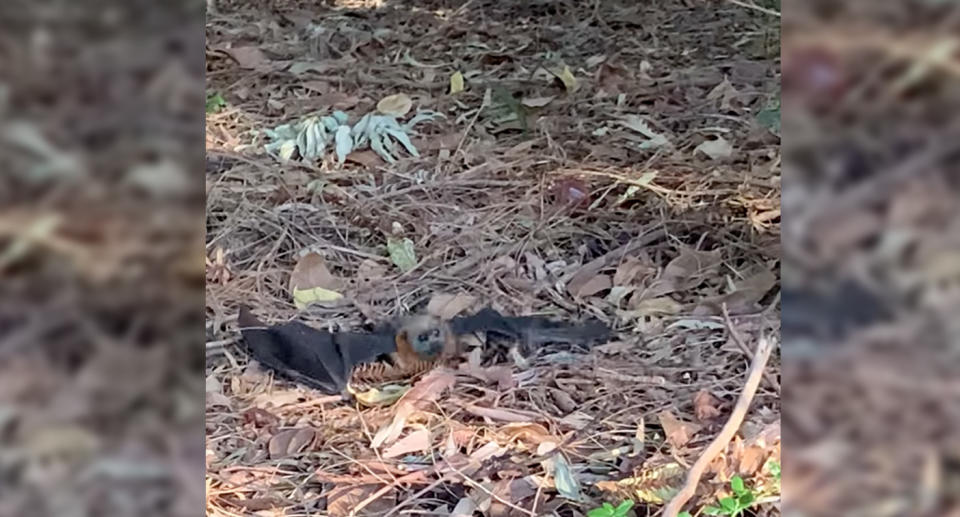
(425,334)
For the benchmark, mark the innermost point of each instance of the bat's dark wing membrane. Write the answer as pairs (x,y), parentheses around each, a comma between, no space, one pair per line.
(318,359)
(534,330)
(299,352)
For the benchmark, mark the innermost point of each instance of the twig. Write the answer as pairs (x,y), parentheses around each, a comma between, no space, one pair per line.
(410,500)
(483,104)
(386,488)
(755,7)
(216,345)
(485,490)
(743,346)
(762,354)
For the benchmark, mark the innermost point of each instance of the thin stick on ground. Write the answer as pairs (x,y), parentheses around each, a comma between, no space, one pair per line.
(761,355)
(746,350)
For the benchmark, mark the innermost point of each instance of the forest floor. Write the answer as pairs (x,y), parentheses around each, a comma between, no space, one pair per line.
(615,160)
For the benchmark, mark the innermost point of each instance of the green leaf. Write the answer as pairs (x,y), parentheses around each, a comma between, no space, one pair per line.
(684,514)
(737,485)
(599,512)
(770,119)
(729,504)
(567,485)
(608,507)
(215,102)
(402,253)
(624,507)
(712,510)
(746,499)
(774,469)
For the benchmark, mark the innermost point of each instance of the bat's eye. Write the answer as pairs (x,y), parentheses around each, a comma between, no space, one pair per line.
(435,333)
(423,338)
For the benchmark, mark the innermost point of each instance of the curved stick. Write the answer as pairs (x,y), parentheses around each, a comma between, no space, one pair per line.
(760,357)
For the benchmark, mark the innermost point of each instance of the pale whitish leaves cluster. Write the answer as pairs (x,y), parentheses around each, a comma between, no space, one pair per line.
(311,137)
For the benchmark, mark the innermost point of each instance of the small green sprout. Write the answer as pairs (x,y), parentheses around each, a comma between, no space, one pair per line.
(733,506)
(215,102)
(608,510)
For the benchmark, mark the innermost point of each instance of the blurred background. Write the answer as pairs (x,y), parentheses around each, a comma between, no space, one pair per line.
(101,258)
(871,272)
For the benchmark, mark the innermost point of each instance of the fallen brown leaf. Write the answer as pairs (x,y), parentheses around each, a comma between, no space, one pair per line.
(249,57)
(447,306)
(685,272)
(529,433)
(591,287)
(705,406)
(423,393)
(367,158)
(503,415)
(311,281)
(744,297)
(501,375)
(417,441)
(677,432)
(290,442)
(396,105)
(630,270)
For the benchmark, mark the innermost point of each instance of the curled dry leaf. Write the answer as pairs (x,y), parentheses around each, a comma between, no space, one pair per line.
(396,105)
(382,396)
(425,392)
(501,375)
(706,406)
(566,77)
(744,297)
(677,432)
(290,442)
(725,93)
(563,400)
(312,282)
(591,287)
(685,272)
(663,305)
(249,57)
(503,415)
(447,306)
(531,434)
(630,270)
(417,441)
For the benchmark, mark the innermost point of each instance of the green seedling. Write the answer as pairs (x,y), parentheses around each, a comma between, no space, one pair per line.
(735,505)
(608,510)
(215,102)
